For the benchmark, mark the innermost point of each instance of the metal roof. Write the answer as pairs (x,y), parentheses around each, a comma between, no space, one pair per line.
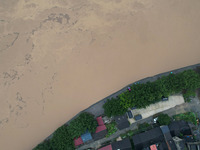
(86,136)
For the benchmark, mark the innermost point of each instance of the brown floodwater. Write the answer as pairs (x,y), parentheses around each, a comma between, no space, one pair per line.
(59,57)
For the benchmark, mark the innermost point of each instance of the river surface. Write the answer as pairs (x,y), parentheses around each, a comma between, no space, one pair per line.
(59,57)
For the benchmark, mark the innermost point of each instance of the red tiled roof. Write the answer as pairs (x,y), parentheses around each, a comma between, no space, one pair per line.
(100,128)
(109,147)
(78,141)
(153,147)
(100,121)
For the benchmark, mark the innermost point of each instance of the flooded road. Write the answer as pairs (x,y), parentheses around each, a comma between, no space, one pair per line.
(59,57)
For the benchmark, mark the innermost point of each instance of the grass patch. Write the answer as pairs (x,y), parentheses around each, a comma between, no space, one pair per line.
(111,128)
(188,116)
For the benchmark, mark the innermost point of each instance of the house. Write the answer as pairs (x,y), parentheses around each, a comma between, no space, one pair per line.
(179,127)
(148,138)
(108,147)
(153,147)
(82,139)
(101,129)
(86,137)
(122,122)
(124,144)
(78,141)
(168,138)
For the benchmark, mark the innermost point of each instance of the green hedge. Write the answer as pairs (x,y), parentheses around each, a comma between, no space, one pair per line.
(142,95)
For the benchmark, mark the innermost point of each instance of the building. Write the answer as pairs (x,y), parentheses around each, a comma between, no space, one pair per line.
(101,129)
(168,138)
(122,122)
(108,147)
(86,137)
(78,141)
(124,144)
(100,133)
(179,127)
(148,138)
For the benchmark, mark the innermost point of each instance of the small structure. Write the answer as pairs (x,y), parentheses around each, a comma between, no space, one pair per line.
(125,144)
(122,122)
(153,147)
(86,137)
(78,141)
(106,119)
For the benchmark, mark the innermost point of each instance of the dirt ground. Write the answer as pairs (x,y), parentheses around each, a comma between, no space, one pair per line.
(59,57)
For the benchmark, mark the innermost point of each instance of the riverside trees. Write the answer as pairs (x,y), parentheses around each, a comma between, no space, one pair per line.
(62,138)
(142,95)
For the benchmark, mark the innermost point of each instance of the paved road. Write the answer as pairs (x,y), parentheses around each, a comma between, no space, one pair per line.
(193,106)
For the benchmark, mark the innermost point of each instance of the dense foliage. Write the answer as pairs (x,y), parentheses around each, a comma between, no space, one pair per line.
(63,137)
(43,146)
(189,117)
(83,122)
(61,140)
(111,128)
(143,95)
(112,108)
(164,119)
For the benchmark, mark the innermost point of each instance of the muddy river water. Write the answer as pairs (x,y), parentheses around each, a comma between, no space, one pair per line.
(59,57)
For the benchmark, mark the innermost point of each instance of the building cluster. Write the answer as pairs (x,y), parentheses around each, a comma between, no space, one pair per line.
(176,136)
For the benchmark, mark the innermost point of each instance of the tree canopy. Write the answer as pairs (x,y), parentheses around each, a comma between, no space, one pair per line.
(63,137)
(113,108)
(164,119)
(142,95)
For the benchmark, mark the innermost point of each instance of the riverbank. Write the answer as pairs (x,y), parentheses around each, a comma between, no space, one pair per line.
(97,108)
(60,57)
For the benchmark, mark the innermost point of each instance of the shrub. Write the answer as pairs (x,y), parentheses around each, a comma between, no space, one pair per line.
(111,128)
(144,127)
(188,94)
(164,119)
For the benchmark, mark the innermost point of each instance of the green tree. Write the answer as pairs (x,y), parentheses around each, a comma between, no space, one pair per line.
(43,146)
(62,139)
(164,119)
(81,124)
(113,108)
